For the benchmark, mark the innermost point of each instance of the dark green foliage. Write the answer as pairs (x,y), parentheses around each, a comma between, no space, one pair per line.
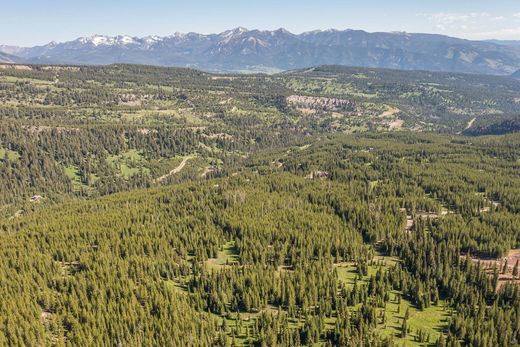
(254,252)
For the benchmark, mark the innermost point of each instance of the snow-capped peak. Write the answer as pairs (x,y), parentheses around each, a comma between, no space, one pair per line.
(101,40)
(234,32)
(151,39)
(96,40)
(125,40)
(239,30)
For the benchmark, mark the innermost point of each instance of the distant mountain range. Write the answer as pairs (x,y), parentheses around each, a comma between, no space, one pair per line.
(8,58)
(269,51)
(506,42)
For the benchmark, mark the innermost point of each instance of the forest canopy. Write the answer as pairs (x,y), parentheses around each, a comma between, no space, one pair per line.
(144,206)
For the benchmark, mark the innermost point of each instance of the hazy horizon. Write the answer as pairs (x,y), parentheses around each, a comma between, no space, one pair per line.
(249,29)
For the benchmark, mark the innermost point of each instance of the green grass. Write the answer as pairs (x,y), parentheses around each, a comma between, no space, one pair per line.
(432,320)
(41,84)
(128,171)
(227,256)
(177,286)
(14,79)
(11,155)
(356,129)
(347,272)
(373,184)
(74,174)
(71,171)
(128,163)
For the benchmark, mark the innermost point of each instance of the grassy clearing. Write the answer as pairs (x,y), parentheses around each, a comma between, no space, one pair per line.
(373,184)
(226,257)
(347,272)
(128,163)
(13,79)
(432,320)
(73,173)
(129,171)
(178,286)
(11,155)
(356,129)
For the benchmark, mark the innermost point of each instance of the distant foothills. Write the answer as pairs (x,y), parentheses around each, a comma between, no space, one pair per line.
(243,50)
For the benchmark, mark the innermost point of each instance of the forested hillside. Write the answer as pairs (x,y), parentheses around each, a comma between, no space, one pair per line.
(336,206)
(90,131)
(349,240)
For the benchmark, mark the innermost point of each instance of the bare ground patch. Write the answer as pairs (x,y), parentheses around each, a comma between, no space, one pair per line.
(396,124)
(504,265)
(16,67)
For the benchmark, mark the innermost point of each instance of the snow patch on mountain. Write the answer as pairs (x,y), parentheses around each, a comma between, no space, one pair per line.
(101,40)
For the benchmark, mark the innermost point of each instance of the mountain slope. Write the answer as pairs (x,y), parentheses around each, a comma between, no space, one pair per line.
(242,49)
(8,58)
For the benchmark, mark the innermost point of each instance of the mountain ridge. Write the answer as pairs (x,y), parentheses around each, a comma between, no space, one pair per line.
(241,49)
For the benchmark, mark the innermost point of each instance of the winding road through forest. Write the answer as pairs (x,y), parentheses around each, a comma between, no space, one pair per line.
(174,171)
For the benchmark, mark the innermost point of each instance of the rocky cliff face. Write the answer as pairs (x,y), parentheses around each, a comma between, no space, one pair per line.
(320,103)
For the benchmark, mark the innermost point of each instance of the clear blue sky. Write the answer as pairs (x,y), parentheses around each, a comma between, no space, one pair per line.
(30,22)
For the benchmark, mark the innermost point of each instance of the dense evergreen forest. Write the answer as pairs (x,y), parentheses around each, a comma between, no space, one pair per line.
(144,206)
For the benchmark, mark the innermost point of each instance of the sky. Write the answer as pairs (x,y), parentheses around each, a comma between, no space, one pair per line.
(34,22)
